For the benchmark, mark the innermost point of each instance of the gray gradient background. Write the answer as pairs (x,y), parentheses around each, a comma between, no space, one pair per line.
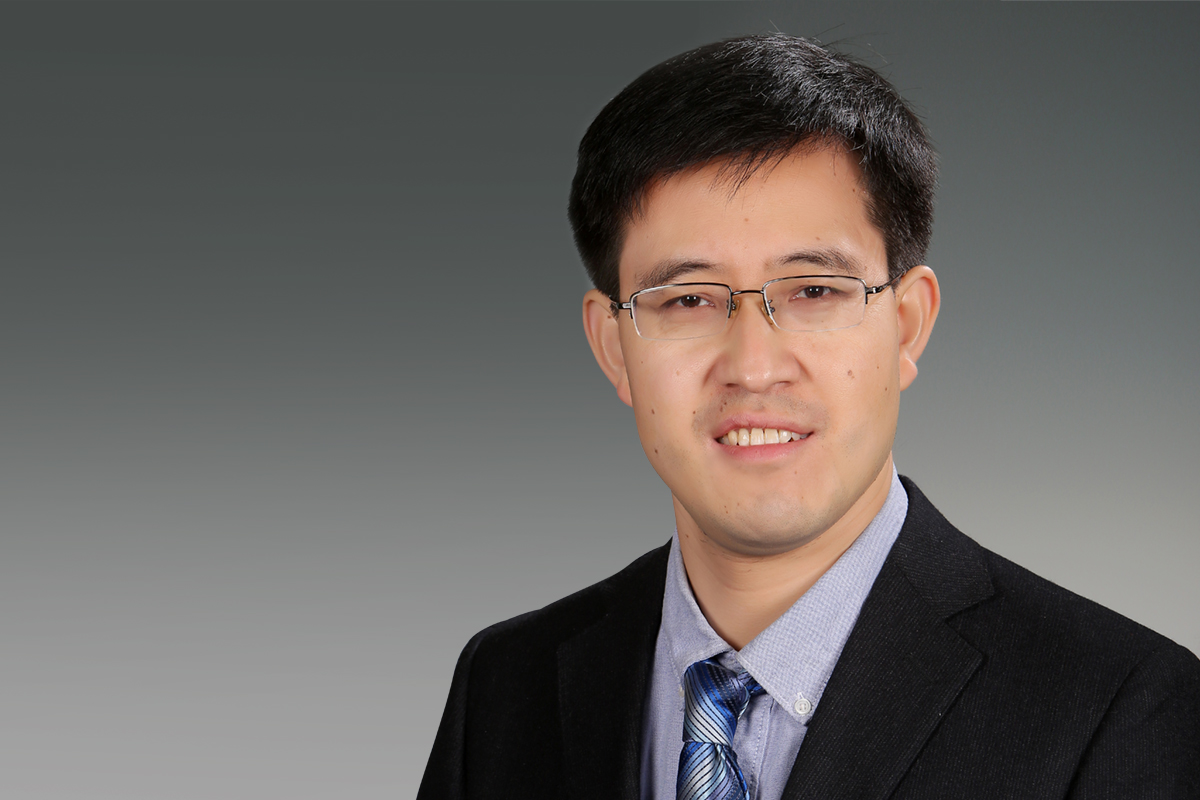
(269,458)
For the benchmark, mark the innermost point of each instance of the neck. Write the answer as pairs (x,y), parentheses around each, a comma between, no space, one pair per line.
(742,595)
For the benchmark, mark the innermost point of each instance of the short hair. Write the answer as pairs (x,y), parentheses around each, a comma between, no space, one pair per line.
(751,101)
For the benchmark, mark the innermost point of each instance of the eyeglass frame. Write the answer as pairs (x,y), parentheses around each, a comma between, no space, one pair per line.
(617,307)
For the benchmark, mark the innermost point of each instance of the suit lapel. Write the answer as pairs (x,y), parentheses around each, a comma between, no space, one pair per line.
(902,667)
(604,673)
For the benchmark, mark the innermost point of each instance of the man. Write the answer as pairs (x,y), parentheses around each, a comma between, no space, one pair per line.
(754,215)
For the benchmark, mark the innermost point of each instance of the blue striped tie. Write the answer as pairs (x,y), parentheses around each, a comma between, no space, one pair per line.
(714,701)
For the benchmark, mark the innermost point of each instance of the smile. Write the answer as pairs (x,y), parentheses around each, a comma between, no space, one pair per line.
(752,437)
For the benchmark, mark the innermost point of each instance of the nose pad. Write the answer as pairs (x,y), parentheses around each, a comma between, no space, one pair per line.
(764,305)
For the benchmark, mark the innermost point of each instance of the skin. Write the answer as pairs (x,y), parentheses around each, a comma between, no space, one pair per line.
(758,526)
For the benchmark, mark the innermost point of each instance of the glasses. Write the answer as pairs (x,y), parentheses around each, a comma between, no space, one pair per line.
(695,310)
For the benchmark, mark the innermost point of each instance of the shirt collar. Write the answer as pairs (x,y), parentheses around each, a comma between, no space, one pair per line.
(793,658)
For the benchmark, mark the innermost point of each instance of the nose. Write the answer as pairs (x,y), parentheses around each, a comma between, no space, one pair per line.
(755,355)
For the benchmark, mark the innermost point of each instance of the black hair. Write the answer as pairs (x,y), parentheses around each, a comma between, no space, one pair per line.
(751,101)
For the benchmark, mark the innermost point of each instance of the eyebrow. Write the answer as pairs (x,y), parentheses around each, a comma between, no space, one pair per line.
(827,258)
(668,271)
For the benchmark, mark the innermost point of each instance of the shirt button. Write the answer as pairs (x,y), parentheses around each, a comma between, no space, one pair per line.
(803,707)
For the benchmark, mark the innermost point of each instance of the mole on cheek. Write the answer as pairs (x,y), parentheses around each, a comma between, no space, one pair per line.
(849,373)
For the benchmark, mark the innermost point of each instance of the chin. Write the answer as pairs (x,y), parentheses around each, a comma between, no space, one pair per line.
(770,534)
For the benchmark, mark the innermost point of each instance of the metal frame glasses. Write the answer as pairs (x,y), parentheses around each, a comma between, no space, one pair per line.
(798,303)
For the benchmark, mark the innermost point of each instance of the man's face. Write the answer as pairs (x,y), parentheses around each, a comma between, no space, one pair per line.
(838,390)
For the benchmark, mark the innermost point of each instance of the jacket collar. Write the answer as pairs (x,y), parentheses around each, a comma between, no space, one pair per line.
(902,667)
(604,675)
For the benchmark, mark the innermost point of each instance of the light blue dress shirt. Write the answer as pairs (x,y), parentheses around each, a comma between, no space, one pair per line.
(792,659)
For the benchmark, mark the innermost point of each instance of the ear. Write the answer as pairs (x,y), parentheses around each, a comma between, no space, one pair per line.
(604,336)
(918,300)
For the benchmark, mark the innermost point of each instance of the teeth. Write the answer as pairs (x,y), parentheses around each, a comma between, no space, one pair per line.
(750,437)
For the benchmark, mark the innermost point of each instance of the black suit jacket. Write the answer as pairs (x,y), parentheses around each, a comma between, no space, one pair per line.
(965,676)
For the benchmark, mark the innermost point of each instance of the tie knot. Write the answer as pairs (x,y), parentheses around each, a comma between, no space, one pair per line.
(714,700)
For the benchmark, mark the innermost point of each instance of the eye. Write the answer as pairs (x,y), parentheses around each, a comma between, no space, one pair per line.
(815,292)
(691,301)
(685,301)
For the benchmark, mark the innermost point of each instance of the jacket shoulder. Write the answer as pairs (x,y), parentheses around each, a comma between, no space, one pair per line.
(1010,606)
(639,585)
(1069,698)
(1060,625)
(507,682)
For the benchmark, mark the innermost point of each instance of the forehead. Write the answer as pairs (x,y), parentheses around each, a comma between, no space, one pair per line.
(806,214)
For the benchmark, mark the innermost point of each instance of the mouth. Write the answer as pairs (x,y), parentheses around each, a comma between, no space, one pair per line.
(756,437)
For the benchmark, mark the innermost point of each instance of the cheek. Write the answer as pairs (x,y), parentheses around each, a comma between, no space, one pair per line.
(864,395)
(665,400)
(668,407)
